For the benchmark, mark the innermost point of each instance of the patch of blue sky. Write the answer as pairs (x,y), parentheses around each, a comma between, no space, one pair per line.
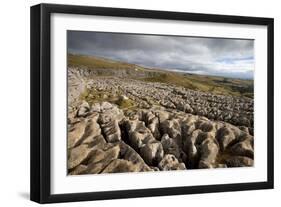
(234,60)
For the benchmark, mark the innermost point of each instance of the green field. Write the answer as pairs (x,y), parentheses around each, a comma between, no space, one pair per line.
(213,84)
(96,62)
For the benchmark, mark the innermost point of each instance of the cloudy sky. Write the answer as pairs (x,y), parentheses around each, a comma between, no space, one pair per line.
(210,56)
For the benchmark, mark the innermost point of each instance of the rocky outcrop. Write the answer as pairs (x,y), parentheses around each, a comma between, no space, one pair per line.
(77,155)
(208,151)
(118,165)
(136,126)
(170,146)
(244,148)
(239,161)
(152,152)
(231,109)
(83,109)
(101,157)
(225,136)
(170,162)
(75,133)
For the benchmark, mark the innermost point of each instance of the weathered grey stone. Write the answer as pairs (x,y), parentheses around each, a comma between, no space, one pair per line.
(152,152)
(92,130)
(95,107)
(170,162)
(185,107)
(203,136)
(208,153)
(170,146)
(189,144)
(154,168)
(152,123)
(123,98)
(239,161)
(105,106)
(75,133)
(77,155)
(232,109)
(110,113)
(244,129)
(128,153)
(83,109)
(119,166)
(100,158)
(225,136)
(205,126)
(173,129)
(107,152)
(78,170)
(195,125)
(138,133)
(111,131)
(243,148)
(162,115)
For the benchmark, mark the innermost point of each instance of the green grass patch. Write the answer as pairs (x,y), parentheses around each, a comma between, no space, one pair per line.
(124,104)
(96,63)
(213,84)
(94,96)
(216,85)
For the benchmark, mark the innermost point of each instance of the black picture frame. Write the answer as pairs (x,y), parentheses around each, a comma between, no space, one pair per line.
(41,99)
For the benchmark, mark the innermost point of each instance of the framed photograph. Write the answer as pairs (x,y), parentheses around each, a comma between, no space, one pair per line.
(133,103)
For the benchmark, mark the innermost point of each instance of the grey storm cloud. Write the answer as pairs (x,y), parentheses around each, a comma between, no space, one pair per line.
(201,55)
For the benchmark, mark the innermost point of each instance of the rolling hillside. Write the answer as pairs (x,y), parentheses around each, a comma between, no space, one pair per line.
(213,84)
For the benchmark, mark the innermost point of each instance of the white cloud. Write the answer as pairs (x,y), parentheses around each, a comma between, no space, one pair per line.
(211,56)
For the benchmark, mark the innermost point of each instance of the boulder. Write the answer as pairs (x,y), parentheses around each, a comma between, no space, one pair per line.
(83,109)
(119,166)
(111,131)
(77,155)
(244,129)
(92,130)
(162,115)
(100,158)
(205,126)
(123,98)
(173,129)
(78,170)
(108,152)
(170,162)
(109,113)
(239,161)
(189,145)
(188,126)
(152,152)
(208,153)
(243,148)
(138,133)
(95,107)
(154,127)
(105,106)
(75,133)
(128,153)
(202,136)
(225,136)
(152,123)
(140,138)
(170,146)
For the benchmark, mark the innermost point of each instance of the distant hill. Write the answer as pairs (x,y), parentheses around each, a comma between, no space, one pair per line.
(98,66)
(92,62)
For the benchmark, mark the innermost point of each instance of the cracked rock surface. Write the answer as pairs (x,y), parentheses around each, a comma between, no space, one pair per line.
(123,125)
